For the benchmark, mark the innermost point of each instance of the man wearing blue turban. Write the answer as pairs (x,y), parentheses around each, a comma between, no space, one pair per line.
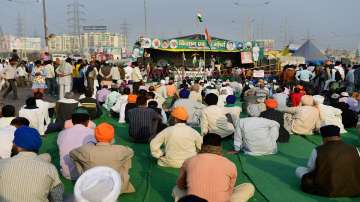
(192,107)
(26,176)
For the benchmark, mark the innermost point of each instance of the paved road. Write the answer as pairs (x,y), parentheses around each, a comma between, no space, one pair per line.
(23,94)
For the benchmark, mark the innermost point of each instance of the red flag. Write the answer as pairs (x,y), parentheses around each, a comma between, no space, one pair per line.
(208,37)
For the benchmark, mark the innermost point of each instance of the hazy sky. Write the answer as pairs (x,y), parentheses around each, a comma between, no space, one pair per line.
(331,23)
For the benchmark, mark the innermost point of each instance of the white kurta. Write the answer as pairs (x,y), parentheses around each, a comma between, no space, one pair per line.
(6,141)
(35,117)
(213,120)
(193,109)
(256,136)
(44,107)
(66,80)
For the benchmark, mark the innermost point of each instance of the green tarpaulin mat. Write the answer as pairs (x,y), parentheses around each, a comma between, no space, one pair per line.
(350,137)
(273,176)
(152,182)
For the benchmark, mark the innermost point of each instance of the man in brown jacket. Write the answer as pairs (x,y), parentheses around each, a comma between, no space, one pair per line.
(105,154)
(333,167)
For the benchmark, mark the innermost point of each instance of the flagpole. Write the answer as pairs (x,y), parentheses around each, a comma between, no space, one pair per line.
(204,63)
(183,59)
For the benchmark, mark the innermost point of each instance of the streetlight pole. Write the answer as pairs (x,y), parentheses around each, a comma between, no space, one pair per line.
(145,18)
(45,25)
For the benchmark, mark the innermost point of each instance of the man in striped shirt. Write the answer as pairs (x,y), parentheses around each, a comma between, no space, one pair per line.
(27,176)
(142,121)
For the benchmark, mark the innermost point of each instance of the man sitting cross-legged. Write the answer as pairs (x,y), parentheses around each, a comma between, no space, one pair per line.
(181,141)
(211,176)
(105,153)
(255,135)
(27,176)
(333,167)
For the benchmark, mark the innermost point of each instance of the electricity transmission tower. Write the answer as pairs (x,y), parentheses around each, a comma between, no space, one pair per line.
(1,38)
(1,32)
(75,11)
(20,29)
(20,26)
(124,27)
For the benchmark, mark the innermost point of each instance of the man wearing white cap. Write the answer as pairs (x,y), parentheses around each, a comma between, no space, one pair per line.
(352,102)
(162,89)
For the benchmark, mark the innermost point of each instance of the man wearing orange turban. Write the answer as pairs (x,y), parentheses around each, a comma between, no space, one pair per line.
(275,115)
(104,153)
(132,98)
(271,103)
(130,105)
(180,141)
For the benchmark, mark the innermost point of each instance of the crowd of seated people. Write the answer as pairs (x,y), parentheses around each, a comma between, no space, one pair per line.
(183,125)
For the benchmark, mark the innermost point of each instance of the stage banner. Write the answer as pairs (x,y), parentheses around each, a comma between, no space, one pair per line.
(258,73)
(246,58)
(188,44)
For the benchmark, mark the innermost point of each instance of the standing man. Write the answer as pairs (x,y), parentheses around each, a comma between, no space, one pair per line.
(128,71)
(91,74)
(115,73)
(21,75)
(338,67)
(304,76)
(212,62)
(136,77)
(105,74)
(9,73)
(356,78)
(350,80)
(64,71)
(50,78)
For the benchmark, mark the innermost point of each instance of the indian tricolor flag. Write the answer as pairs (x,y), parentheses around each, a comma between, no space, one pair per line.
(200,17)
(208,37)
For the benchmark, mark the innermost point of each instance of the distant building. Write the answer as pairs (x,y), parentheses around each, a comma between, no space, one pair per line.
(340,53)
(22,44)
(106,42)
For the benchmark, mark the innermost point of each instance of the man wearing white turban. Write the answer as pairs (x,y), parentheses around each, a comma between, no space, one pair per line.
(255,135)
(304,119)
(329,115)
(98,184)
